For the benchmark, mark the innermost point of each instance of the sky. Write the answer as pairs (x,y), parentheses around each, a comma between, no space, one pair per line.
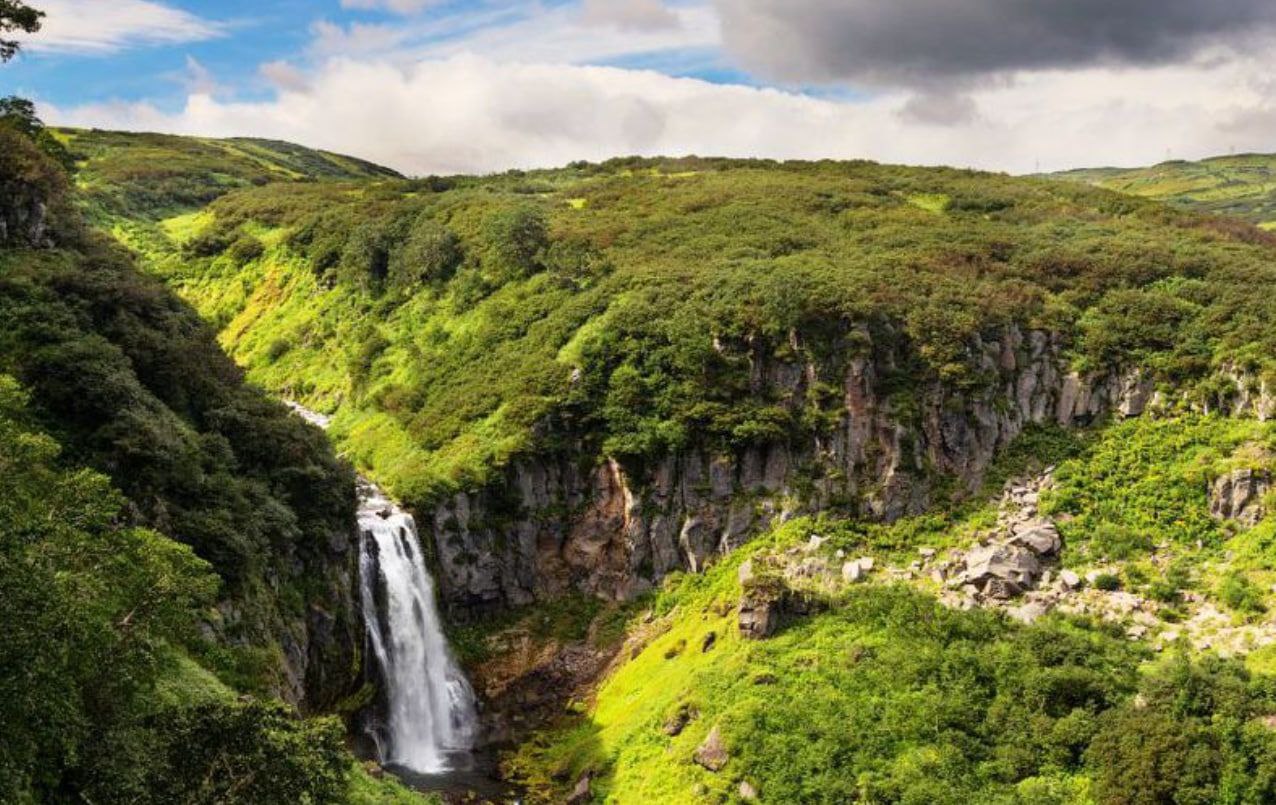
(476,86)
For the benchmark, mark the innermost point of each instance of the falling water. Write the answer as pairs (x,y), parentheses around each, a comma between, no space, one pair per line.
(431,719)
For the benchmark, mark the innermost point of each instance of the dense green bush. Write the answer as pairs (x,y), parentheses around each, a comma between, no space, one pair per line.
(515,241)
(429,254)
(625,306)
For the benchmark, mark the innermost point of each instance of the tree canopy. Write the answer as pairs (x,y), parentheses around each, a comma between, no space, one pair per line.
(16,15)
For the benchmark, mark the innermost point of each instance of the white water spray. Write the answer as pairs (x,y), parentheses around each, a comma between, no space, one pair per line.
(431,718)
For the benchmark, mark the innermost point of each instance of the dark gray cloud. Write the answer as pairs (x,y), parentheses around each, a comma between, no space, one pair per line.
(929,42)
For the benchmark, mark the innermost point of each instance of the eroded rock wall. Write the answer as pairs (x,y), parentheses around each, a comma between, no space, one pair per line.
(574,521)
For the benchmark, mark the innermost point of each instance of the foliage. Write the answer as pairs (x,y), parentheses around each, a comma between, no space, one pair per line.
(1144,482)
(19,114)
(888,697)
(622,307)
(85,604)
(16,15)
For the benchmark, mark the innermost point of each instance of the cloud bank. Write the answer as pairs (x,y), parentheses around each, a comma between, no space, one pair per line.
(923,42)
(471,114)
(108,26)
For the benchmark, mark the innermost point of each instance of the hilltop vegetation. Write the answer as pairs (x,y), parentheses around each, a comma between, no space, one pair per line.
(1242,185)
(454,323)
(128,175)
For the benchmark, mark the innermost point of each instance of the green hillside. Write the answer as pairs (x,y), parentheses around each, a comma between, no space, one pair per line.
(1243,185)
(141,175)
(176,549)
(640,309)
(443,321)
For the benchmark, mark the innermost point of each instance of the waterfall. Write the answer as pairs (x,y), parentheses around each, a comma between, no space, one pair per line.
(431,718)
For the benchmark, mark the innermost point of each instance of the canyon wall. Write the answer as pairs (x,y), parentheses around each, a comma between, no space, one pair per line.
(572,521)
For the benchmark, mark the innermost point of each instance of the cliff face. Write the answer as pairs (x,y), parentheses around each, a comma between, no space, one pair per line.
(572,522)
(319,637)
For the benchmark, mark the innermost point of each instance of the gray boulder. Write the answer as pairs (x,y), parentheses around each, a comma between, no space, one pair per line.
(1002,571)
(1039,536)
(712,754)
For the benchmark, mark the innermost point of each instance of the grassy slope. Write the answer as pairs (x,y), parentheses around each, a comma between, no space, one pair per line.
(1243,185)
(886,697)
(436,382)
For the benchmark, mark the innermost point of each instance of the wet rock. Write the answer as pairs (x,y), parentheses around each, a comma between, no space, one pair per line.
(712,754)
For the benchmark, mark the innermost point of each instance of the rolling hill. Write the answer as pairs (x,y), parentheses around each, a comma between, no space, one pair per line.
(1242,185)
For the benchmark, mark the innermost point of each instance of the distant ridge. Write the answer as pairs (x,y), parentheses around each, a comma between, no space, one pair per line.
(155,175)
(1240,185)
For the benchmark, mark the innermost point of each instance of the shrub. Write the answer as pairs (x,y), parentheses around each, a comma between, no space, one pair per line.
(516,240)
(1241,595)
(431,253)
(1107,582)
(277,349)
(245,249)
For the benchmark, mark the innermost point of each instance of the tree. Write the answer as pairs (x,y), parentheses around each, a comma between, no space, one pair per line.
(19,114)
(516,243)
(16,15)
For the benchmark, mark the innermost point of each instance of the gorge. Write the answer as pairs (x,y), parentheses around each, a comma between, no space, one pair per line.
(705,455)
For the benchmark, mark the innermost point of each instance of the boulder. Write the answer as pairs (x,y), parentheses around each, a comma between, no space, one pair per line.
(1039,536)
(758,618)
(678,720)
(1069,579)
(1029,612)
(1001,571)
(712,754)
(747,791)
(852,572)
(1238,496)
(583,792)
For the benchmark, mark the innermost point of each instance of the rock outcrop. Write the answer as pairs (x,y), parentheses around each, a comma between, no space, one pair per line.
(563,522)
(712,754)
(32,190)
(1238,496)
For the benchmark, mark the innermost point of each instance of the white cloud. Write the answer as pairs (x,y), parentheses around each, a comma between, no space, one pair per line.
(525,31)
(198,79)
(397,6)
(630,15)
(284,76)
(108,26)
(471,114)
